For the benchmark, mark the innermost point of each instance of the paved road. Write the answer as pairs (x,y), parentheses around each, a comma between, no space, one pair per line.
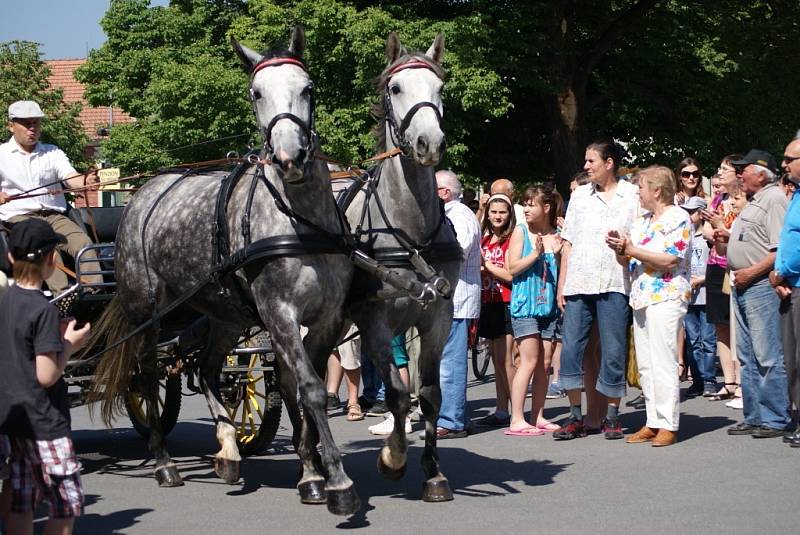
(709,482)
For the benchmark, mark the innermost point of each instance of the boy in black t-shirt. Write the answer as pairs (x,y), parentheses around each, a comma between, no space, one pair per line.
(34,411)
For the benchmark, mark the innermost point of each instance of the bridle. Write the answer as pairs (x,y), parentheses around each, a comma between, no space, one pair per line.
(398,132)
(266,131)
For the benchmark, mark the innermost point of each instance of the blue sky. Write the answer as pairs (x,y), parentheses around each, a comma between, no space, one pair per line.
(65,28)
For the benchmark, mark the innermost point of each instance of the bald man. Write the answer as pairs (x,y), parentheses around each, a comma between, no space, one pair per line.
(785,278)
(506,187)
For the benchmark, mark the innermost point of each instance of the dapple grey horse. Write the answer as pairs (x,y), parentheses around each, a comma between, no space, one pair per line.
(166,247)
(410,220)
(398,213)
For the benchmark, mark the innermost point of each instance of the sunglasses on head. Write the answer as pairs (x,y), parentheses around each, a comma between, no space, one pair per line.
(687,174)
(790,159)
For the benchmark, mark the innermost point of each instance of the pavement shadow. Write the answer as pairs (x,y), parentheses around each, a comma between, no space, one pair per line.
(88,522)
(123,451)
(486,477)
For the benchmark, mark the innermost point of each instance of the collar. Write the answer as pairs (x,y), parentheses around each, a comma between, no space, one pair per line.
(763,191)
(617,192)
(15,147)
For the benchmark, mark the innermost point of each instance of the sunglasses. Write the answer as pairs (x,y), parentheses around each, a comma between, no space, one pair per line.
(790,159)
(687,174)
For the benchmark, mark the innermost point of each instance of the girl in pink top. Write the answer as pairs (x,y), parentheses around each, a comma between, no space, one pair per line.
(495,322)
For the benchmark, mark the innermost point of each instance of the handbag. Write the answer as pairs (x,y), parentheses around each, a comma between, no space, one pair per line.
(533,293)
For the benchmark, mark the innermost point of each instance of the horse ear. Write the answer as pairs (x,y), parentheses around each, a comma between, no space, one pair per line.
(248,57)
(436,51)
(297,43)
(394,48)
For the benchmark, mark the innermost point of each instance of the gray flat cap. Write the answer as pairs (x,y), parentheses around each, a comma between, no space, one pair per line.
(25,109)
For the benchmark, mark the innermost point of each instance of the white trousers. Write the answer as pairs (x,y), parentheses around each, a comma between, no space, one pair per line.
(655,335)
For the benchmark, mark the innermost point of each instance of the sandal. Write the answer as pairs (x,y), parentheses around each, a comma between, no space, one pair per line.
(354,413)
(725,392)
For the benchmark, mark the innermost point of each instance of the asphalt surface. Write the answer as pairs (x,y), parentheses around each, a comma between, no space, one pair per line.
(708,483)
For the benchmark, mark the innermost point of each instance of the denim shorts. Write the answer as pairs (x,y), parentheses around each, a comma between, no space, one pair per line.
(544,327)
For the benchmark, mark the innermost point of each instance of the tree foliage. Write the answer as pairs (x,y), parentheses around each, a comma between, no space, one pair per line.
(530,82)
(23,76)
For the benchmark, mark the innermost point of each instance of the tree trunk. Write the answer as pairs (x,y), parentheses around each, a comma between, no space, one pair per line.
(565,114)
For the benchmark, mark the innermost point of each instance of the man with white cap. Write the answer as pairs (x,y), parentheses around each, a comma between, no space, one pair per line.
(26,164)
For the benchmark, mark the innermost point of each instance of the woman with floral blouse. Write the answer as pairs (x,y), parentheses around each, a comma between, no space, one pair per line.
(657,255)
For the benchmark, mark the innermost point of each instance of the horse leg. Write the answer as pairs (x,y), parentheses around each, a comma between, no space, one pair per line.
(377,339)
(285,333)
(311,483)
(220,340)
(432,338)
(165,471)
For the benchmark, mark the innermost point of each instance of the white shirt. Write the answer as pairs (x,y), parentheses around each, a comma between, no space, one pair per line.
(20,171)
(519,214)
(467,295)
(592,267)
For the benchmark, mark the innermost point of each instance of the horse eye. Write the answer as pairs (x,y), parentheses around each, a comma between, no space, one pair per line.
(307,90)
(395,89)
(256,94)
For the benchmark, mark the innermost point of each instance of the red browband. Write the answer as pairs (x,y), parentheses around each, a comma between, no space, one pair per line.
(276,62)
(413,64)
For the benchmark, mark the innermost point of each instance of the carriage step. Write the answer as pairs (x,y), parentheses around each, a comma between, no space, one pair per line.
(254,351)
(242,369)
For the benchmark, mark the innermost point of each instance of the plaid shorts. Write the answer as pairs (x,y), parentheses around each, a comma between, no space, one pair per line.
(44,470)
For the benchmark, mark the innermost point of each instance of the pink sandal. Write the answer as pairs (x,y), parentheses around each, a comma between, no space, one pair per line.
(529,431)
(549,427)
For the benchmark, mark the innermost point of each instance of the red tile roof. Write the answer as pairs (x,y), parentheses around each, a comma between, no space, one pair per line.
(61,75)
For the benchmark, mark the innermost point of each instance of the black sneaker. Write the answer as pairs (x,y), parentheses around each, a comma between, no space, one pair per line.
(612,429)
(334,403)
(695,390)
(378,408)
(571,429)
(493,420)
(365,403)
(768,432)
(742,429)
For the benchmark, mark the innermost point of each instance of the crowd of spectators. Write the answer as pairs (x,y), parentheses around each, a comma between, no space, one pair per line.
(646,279)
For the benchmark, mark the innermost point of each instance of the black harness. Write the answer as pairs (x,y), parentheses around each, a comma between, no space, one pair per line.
(379,262)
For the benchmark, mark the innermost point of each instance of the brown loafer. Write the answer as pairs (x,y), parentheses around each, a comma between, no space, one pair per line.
(645,434)
(665,438)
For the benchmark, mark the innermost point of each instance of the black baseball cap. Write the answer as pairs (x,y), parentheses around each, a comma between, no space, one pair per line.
(32,239)
(758,157)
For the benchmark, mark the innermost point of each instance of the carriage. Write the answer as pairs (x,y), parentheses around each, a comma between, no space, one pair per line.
(249,380)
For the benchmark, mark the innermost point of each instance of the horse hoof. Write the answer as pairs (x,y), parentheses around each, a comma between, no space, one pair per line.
(227,470)
(390,473)
(313,491)
(168,476)
(437,490)
(343,502)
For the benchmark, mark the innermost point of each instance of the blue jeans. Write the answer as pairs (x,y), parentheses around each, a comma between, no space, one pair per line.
(765,392)
(611,312)
(453,377)
(700,350)
(374,389)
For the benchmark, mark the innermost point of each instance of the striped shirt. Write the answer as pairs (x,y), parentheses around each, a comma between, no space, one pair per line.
(467,295)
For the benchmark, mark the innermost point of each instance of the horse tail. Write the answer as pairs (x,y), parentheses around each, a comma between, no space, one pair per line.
(113,373)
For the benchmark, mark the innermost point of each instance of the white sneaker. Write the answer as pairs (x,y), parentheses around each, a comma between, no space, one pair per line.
(735,403)
(387,426)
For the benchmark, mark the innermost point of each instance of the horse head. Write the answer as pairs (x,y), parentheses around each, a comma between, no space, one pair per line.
(282,95)
(412,100)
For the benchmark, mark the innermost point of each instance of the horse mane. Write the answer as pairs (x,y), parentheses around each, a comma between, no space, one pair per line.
(377,110)
(270,53)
